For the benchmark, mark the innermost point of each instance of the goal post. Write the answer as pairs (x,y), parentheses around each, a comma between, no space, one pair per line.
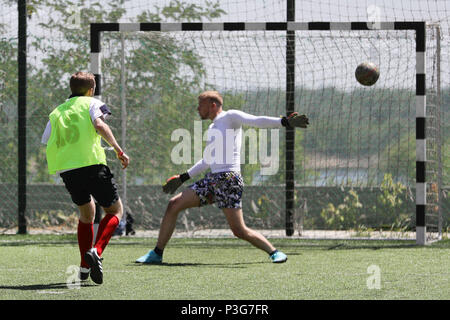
(418,28)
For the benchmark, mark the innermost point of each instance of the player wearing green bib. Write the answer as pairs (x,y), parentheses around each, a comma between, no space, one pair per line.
(73,135)
(66,148)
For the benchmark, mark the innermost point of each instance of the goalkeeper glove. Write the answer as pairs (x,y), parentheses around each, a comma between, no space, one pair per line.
(295,120)
(174,182)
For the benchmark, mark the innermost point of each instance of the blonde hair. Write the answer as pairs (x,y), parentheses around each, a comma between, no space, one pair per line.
(212,96)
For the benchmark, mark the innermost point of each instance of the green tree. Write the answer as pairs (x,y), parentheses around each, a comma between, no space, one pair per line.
(8,107)
(156,91)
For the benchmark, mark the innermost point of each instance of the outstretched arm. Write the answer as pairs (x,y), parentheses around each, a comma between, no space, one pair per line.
(293,120)
(242,118)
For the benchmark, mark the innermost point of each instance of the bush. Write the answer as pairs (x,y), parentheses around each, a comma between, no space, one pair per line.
(389,211)
(344,216)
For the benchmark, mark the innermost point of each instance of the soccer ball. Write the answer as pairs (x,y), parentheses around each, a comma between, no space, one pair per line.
(367,73)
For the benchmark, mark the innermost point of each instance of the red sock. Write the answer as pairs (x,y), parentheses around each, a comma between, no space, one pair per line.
(105,231)
(85,234)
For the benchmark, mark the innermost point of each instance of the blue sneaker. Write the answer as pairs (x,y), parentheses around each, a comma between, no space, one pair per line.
(278,257)
(150,257)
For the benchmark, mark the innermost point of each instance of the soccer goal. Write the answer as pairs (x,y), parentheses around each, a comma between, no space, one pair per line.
(367,167)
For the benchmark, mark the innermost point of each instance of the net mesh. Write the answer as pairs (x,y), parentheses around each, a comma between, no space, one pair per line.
(355,165)
(359,134)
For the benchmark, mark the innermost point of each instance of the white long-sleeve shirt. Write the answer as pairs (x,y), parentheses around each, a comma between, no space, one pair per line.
(224,138)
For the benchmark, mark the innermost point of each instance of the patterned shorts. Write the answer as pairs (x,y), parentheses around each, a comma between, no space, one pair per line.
(223,188)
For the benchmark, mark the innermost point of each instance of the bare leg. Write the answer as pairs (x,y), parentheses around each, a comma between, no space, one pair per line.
(87,212)
(235,219)
(115,209)
(184,200)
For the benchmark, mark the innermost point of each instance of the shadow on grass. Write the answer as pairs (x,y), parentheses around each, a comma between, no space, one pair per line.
(49,286)
(187,264)
(346,246)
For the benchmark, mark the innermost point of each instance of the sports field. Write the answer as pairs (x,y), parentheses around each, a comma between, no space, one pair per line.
(41,267)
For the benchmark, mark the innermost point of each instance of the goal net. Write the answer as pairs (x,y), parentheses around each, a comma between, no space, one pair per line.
(355,165)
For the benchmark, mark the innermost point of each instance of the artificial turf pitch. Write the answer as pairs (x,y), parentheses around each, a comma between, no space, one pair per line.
(41,267)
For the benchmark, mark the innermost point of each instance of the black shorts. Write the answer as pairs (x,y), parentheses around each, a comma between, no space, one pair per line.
(96,180)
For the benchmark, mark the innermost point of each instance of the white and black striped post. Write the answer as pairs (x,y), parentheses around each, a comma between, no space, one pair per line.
(418,27)
(421,142)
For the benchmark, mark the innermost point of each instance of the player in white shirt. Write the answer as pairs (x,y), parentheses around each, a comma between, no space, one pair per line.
(224,184)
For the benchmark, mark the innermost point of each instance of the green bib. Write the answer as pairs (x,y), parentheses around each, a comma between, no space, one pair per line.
(73,141)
